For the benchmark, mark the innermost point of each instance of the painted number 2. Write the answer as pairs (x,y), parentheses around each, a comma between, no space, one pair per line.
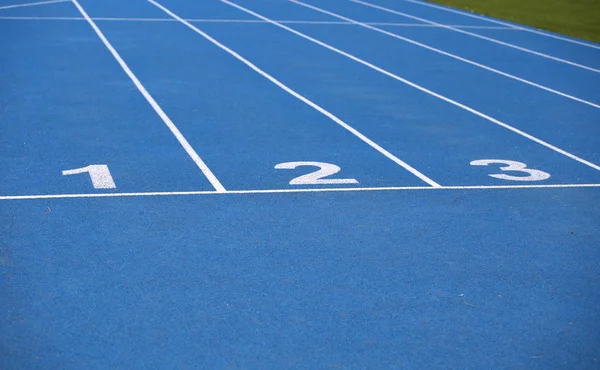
(99,174)
(532,175)
(316,177)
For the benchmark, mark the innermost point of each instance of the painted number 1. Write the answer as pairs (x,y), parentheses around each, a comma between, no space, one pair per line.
(316,177)
(512,166)
(99,174)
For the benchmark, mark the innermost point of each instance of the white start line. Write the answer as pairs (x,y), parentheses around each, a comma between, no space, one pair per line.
(277,191)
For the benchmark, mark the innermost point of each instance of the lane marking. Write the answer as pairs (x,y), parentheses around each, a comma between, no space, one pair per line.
(99,175)
(32,4)
(305,100)
(532,30)
(490,39)
(46,18)
(280,191)
(182,140)
(202,20)
(418,87)
(318,177)
(512,167)
(465,60)
(425,25)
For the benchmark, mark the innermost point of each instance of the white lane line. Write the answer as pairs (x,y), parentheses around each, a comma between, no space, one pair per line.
(425,25)
(421,88)
(182,140)
(308,102)
(280,191)
(490,39)
(202,20)
(507,24)
(32,4)
(531,83)
(46,18)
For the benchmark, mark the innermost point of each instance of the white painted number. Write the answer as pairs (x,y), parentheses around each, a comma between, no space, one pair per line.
(533,175)
(317,177)
(99,173)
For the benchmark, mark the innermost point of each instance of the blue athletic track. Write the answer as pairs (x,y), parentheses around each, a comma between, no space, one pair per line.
(311,184)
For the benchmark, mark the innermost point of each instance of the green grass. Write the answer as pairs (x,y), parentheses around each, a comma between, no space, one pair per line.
(578,18)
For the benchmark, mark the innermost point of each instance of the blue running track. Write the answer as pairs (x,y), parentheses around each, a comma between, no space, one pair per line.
(311,184)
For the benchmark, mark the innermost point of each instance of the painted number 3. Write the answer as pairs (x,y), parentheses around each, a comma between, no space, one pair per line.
(316,177)
(512,166)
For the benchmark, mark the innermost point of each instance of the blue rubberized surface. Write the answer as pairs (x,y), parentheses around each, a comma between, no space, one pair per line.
(484,272)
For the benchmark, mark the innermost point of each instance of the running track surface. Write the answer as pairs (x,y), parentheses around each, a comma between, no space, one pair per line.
(160,205)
